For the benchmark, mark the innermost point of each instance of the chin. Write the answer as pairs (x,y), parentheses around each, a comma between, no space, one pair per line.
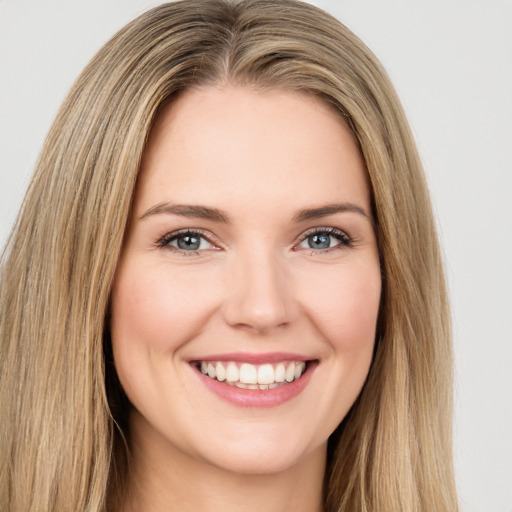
(263,454)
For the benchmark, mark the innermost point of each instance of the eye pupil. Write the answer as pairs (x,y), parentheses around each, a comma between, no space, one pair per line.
(189,243)
(319,241)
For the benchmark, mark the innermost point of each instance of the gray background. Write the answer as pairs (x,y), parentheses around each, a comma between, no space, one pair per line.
(451,61)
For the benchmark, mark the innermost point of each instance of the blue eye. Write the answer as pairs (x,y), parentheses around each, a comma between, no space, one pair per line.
(323,239)
(187,241)
(319,241)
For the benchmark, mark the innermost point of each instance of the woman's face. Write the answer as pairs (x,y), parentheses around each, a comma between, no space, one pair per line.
(245,302)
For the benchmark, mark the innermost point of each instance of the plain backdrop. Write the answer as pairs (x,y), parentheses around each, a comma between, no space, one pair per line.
(451,62)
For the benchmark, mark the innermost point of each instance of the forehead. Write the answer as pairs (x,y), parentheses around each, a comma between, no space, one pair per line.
(240,145)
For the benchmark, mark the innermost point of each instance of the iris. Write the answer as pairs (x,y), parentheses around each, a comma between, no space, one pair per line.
(319,241)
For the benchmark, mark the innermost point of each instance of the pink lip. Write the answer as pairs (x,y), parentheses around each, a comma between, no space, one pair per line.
(253,358)
(258,397)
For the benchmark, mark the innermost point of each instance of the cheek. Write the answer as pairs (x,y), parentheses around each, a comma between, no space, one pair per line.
(155,308)
(344,306)
(154,312)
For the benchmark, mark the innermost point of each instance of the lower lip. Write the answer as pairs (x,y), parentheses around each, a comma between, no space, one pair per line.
(258,397)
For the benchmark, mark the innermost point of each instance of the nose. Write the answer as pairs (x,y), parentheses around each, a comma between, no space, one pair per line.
(260,294)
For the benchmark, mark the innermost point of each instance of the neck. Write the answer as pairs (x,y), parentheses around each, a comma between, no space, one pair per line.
(165,479)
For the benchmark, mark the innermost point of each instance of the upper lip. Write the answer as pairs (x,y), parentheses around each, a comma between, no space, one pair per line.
(254,358)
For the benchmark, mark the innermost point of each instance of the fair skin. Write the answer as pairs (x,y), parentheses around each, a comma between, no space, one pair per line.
(251,244)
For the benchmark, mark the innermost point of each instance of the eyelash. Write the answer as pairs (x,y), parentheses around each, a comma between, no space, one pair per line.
(165,241)
(345,241)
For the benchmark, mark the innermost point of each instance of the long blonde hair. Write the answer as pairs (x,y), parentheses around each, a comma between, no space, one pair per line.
(61,438)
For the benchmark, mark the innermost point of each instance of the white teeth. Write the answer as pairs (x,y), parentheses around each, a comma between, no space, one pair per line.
(265,374)
(220,371)
(242,385)
(299,370)
(280,373)
(290,372)
(250,376)
(232,373)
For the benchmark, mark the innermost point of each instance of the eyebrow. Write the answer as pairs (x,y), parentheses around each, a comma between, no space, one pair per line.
(186,210)
(214,214)
(330,209)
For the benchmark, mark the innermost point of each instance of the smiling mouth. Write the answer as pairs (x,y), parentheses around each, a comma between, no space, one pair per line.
(252,376)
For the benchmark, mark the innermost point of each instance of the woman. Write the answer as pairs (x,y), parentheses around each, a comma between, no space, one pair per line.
(225,287)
